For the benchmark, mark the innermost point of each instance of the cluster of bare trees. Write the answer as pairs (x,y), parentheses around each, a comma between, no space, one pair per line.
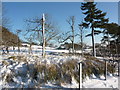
(43,31)
(71,34)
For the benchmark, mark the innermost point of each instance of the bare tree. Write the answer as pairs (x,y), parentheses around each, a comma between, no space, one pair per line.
(34,26)
(70,35)
(42,29)
(81,36)
(71,22)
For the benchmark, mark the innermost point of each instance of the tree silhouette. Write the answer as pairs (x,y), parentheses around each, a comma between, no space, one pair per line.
(112,36)
(94,19)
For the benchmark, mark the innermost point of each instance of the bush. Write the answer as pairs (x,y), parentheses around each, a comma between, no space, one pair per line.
(96,67)
(52,72)
(64,72)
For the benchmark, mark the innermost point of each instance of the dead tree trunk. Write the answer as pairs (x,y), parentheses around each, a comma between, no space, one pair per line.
(43,32)
(71,22)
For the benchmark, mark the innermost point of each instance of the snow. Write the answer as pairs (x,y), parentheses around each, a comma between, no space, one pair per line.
(111,82)
(22,78)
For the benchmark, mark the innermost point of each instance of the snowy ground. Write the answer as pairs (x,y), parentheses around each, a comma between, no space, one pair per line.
(111,82)
(19,68)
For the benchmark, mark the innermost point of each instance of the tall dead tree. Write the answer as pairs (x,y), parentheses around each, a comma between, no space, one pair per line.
(71,22)
(70,35)
(81,37)
(43,32)
(34,25)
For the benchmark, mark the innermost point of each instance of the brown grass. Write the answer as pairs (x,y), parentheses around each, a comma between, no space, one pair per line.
(5,62)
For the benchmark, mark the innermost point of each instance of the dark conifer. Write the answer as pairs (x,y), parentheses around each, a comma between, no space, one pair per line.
(94,19)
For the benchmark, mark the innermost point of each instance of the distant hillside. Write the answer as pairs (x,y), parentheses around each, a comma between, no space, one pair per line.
(8,38)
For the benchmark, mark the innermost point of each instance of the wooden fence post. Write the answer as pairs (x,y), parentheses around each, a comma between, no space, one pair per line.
(105,72)
(118,68)
(80,75)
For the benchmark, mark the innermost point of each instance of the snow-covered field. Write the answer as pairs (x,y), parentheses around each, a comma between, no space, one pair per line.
(16,73)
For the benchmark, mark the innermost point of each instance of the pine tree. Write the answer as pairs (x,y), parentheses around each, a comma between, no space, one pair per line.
(112,30)
(94,19)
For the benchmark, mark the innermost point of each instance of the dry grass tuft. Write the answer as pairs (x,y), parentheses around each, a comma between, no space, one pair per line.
(19,58)
(5,62)
(12,57)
